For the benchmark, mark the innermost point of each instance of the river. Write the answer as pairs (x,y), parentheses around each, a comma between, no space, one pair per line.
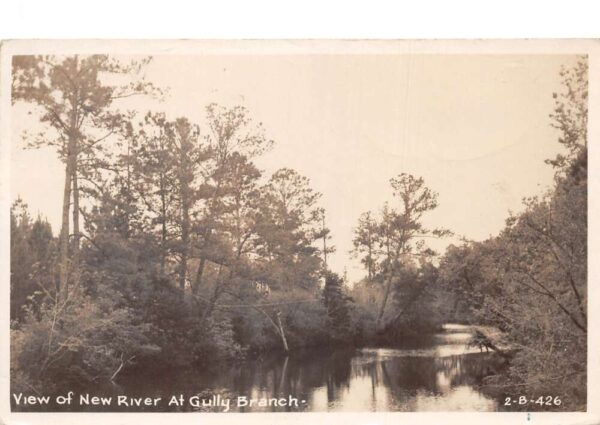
(438,372)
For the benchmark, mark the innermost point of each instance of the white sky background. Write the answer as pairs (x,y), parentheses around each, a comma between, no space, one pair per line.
(476,128)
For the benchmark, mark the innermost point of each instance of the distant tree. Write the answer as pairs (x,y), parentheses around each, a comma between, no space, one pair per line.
(462,276)
(413,285)
(337,303)
(365,242)
(325,234)
(32,259)
(20,259)
(399,232)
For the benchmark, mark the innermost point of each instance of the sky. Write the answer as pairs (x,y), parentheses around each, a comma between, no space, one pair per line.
(475,127)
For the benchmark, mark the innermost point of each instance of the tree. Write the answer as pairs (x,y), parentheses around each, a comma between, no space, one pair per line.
(188,153)
(75,107)
(156,179)
(234,229)
(570,115)
(31,259)
(288,225)
(462,279)
(231,131)
(400,232)
(337,304)
(325,234)
(531,279)
(415,281)
(365,242)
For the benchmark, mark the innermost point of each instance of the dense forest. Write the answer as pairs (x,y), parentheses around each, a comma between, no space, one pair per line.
(176,250)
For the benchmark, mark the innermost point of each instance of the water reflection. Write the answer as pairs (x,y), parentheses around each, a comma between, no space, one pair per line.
(382,382)
(435,373)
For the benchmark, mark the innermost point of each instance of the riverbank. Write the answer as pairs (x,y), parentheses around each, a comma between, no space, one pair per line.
(439,372)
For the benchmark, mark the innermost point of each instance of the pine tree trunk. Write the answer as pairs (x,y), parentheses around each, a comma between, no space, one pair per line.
(182,271)
(129,198)
(185,241)
(76,231)
(199,273)
(185,222)
(73,150)
(206,237)
(64,231)
(163,233)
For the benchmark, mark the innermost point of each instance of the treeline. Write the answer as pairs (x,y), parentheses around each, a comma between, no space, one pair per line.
(174,248)
(530,281)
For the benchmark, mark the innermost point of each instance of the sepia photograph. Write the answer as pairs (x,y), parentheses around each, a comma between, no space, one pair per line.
(315,226)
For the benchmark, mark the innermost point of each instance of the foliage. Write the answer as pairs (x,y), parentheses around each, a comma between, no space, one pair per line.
(337,304)
(31,262)
(392,242)
(190,254)
(531,279)
(186,253)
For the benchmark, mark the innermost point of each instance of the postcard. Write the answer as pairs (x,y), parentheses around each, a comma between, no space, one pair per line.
(281,231)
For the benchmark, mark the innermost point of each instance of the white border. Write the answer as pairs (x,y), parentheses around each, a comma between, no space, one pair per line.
(119,19)
(302,47)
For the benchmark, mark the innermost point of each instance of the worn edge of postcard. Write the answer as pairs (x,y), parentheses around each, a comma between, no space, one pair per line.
(252,47)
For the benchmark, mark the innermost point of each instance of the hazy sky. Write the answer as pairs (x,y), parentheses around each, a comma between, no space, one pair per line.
(476,128)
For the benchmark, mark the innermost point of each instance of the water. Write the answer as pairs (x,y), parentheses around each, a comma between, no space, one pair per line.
(433,373)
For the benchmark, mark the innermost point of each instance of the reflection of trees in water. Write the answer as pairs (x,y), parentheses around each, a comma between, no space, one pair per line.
(403,376)
(296,375)
(300,375)
(332,371)
(473,367)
